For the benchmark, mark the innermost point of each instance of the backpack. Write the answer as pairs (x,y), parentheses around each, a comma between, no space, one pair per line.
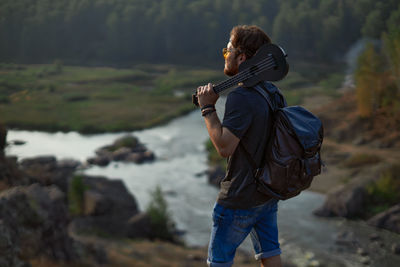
(292,155)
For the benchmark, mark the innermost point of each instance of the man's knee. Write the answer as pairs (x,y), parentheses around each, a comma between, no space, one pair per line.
(274,261)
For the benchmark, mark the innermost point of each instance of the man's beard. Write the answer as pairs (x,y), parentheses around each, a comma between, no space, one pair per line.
(232,68)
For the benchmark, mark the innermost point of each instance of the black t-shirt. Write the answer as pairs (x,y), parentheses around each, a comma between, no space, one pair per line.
(247,116)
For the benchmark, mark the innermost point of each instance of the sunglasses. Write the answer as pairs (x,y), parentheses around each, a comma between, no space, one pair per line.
(226,51)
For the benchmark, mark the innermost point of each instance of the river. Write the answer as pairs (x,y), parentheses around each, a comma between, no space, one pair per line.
(180,171)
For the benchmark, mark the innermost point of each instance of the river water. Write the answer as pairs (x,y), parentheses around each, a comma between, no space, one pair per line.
(179,170)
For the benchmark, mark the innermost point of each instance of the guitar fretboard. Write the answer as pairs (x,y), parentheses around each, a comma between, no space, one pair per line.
(263,65)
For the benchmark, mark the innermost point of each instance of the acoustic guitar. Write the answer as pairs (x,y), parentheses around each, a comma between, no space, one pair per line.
(267,64)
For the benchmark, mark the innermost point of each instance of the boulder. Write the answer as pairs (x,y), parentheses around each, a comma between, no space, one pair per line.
(139,226)
(3,138)
(108,206)
(122,204)
(10,175)
(121,154)
(344,201)
(389,219)
(126,149)
(95,204)
(140,157)
(34,223)
(99,160)
(46,170)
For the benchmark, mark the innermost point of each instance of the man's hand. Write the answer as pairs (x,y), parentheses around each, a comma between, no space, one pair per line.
(206,95)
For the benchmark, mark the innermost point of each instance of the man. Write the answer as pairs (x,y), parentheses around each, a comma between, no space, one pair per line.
(240,209)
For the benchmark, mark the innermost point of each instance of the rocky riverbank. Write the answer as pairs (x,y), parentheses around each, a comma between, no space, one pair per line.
(48,212)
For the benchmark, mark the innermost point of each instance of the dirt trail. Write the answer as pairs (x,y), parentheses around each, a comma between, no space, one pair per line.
(390,155)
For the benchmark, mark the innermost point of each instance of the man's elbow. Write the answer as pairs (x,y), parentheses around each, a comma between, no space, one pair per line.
(225,152)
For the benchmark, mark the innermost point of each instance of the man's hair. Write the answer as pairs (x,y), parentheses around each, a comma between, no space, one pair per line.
(248,39)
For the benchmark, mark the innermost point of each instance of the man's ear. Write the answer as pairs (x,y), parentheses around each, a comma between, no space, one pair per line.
(242,57)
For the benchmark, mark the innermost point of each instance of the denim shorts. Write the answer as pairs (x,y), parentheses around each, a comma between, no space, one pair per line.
(231,227)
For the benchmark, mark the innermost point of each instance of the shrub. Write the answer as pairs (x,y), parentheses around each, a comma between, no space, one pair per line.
(125,141)
(76,193)
(161,223)
(385,192)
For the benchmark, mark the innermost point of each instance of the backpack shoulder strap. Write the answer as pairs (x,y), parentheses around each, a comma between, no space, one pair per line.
(261,89)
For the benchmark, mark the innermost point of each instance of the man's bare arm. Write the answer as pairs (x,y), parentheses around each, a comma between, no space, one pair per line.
(225,142)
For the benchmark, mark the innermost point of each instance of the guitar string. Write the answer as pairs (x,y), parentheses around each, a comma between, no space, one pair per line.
(243,75)
(261,67)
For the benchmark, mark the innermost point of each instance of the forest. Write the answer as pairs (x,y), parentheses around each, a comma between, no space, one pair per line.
(124,32)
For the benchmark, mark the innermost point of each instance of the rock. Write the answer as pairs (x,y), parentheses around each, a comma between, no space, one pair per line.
(48,161)
(389,219)
(10,175)
(215,175)
(46,170)
(121,154)
(139,226)
(108,206)
(105,151)
(68,164)
(122,204)
(343,202)
(140,157)
(99,160)
(17,142)
(34,222)
(127,149)
(134,157)
(95,204)
(3,138)
(396,248)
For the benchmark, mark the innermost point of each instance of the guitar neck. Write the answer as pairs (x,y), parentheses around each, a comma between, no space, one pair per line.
(242,76)
(233,81)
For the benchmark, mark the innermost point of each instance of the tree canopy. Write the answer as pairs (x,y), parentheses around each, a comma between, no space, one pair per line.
(179,31)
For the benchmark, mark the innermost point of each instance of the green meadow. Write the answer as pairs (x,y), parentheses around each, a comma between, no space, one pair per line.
(96,99)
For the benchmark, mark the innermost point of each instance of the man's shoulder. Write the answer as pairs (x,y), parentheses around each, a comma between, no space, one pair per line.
(241,91)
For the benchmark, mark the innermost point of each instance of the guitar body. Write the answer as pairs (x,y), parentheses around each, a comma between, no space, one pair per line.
(275,73)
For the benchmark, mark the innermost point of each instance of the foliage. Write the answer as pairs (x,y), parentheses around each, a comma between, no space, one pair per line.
(161,222)
(185,31)
(76,193)
(368,81)
(378,74)
(384,192)
(126,141)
